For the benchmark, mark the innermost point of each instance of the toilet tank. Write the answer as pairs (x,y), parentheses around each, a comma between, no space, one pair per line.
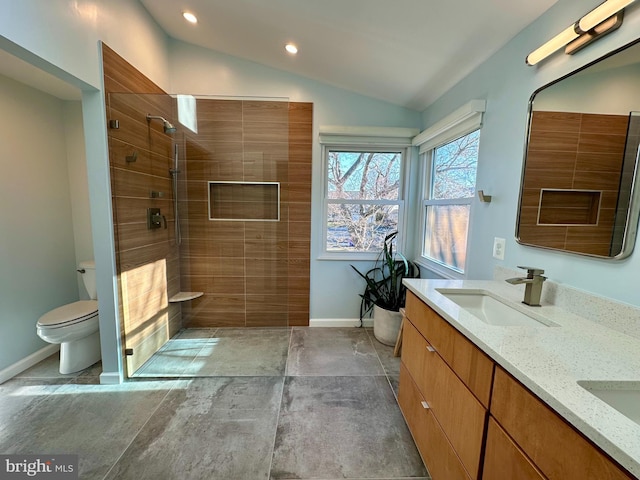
(89,277)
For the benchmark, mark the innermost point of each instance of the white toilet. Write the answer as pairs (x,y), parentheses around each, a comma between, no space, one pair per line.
(75,326)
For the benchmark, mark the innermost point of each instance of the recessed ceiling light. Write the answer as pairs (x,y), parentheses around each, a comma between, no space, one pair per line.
(190,17)
(291,48)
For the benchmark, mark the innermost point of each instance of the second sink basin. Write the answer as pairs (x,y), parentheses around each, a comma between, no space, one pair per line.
(491,310)
(623,396)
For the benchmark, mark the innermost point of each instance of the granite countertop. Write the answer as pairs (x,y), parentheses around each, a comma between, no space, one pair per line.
(551,360)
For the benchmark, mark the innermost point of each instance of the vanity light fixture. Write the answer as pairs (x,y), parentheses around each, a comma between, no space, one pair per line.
(291,48)
(603,19)
(190,17)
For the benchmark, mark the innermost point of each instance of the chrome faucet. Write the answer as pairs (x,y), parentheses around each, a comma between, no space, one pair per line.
(533,282)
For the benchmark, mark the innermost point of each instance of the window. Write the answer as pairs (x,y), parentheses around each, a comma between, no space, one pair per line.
(363,198)
(449,189)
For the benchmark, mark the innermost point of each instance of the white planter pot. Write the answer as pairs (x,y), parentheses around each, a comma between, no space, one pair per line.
(386,325)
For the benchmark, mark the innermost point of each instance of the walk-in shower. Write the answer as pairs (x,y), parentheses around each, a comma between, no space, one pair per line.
(166,124)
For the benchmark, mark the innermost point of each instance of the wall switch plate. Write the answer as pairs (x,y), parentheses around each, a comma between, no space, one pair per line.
(498,248)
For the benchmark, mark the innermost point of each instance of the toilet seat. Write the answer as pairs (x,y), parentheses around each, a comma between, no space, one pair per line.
(69,314)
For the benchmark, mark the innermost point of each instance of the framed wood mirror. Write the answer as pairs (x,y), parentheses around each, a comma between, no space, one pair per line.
(579,191)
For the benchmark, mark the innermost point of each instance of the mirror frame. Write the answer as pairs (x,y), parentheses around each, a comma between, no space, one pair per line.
(633,212)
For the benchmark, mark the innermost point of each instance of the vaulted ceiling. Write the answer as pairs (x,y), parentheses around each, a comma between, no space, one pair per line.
(407,52)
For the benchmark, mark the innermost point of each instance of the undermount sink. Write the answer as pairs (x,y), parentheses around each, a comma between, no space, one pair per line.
(623,396)
(491,310)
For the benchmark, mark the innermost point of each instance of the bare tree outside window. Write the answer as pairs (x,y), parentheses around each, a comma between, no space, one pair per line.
(447,206)
(363,199)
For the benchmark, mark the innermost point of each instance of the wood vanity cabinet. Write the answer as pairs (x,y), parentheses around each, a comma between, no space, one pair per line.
(537,433)
(470,423)
(444,392)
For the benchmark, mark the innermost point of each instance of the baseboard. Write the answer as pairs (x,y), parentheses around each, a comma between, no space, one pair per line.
(111,378)
(28,362)
(339,322)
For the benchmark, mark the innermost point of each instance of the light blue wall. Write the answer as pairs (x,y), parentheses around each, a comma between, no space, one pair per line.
(507,83)
(37,252)
(334,285)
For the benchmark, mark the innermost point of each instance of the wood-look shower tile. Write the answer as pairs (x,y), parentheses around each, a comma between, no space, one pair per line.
(205,319)
(296,192)
(275,152)
(528,216)
(229,167)
(267,285)
(126,74)
(218,266)
(548,179)
(298,319)
(129,259)
(299,211)
(601,162)
(219,230)
(206,148)
(135,235)
(265,111)
(213,303)
(300,112)
(267,319)
(301,133)
(604,124)
(554,141)
(138,105)
(298,302)
(545,160)
(299,249)
(266,267)
(145,279)
(300,231)
(597,180)
(552,237)
(298,267)
(134,210)
(555,122)
(219,110)
(219,131)
(299,172)
(261,303)
(267,132)
(137,131)
(275,249)
(599,143)
(135,184)
(215,247)
(300,152)
(273,231)
(216,285)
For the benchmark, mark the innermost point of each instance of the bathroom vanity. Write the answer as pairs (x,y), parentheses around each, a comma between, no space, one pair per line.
(521,399)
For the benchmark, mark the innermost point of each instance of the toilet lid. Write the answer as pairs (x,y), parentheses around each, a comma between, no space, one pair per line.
(71,313)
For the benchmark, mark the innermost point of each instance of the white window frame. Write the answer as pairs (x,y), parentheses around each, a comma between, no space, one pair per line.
(365,139)
(465,120)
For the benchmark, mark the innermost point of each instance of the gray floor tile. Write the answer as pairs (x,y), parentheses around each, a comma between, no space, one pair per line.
(50,368)
(175,358)
(342,427)
(244,352)
(96,422)
(216,428)
(332,351)
(390,364)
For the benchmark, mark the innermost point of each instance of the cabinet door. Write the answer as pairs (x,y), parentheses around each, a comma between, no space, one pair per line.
(437,453)
(458,412)
(473,367)
(503,460)
(557,449)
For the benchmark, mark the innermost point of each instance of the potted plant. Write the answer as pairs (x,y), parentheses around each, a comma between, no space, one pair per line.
(384,292)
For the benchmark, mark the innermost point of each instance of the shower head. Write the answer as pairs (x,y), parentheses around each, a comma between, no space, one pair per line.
(168,126)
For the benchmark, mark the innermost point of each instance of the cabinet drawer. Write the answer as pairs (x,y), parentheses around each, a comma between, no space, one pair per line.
(437,453)
(503,460)
(455,408)
(556,448)
(468,361)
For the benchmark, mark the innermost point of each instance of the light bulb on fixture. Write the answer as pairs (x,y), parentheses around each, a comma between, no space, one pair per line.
(291,48)
(601,13)
(190,17)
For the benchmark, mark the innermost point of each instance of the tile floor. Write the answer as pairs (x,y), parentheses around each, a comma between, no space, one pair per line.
(285,403)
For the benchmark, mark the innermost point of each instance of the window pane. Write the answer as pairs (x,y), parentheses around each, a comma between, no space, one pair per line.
(359,228)
(454,168)
(446,234)
(364,175)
